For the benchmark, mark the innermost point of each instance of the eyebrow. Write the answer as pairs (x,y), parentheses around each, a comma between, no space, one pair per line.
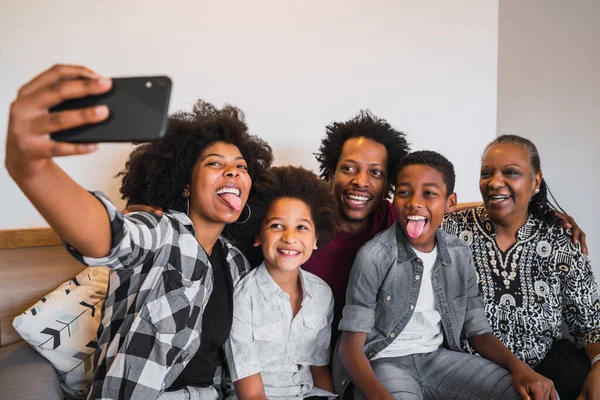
(358,162)
(220,156)
(504,166)
(425,184)
(279,218)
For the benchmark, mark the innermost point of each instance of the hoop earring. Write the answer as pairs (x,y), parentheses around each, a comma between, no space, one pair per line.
(186,196)
(247,218)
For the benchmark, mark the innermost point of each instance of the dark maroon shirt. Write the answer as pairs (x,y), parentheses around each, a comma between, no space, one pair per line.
(333,261)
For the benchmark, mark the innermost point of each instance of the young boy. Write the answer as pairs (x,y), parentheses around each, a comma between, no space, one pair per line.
(412,298)
(279,344)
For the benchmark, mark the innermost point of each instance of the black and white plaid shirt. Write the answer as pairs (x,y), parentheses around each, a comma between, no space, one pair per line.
(157,293)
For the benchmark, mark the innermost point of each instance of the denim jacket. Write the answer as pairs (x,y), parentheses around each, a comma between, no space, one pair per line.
(384,286)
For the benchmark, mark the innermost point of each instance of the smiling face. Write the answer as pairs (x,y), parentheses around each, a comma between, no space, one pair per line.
(359,181)
(420,203)
(287,235)
(220,184)
(507,182)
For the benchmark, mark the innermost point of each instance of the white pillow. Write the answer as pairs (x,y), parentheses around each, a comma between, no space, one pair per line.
(63,327)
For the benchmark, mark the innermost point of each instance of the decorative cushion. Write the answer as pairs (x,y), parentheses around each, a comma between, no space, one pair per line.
(63,327)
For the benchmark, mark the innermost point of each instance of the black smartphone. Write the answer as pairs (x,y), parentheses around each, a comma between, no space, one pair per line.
(139,108)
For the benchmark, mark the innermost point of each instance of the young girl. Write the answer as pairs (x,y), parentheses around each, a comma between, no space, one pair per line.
(279,344)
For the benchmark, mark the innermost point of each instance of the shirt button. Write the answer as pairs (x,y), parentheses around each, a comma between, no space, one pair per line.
(417,277)
(412,307)
(419,260)
(393,335)
(370,355)
(388,297)
(343,382)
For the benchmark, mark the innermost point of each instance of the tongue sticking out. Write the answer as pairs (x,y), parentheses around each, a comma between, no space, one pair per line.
(233,201)
(415,228)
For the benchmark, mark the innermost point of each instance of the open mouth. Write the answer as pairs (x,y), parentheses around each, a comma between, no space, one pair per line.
(415,225)
(498,197)
(356,200)
(288,252)
(230,196)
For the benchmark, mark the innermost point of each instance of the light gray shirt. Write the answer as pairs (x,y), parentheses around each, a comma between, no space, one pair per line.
(267,338)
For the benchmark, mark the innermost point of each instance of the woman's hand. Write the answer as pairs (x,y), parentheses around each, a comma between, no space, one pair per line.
(29,146)
(591,386)
(531,385)
(143,208)
(567,222)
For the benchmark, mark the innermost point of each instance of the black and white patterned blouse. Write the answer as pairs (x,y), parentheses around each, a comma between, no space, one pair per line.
(529,290)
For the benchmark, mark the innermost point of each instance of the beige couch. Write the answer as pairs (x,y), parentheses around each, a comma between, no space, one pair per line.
(32,264)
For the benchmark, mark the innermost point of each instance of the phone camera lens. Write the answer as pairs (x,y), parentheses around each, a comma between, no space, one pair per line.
(161,83)
(148,84)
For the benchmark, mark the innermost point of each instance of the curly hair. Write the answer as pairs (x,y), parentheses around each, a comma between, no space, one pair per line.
(366,125)
(540,205)
(157,172)
(433,160)
(285,182)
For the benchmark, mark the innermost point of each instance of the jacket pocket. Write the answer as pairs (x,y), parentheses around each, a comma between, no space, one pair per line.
(391,308)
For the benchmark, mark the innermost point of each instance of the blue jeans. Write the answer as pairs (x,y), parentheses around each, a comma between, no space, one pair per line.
(442,374)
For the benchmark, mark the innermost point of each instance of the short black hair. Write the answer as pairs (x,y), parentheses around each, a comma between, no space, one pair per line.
(284,182)
(157,172)
(433,160)
(366,125)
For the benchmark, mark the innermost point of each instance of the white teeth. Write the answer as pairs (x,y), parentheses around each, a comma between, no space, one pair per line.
(499,197)
(416,217)
(361,199)
(228,189)
(289,252)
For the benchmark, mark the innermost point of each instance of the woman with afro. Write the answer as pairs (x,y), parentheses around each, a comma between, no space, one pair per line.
(169,307)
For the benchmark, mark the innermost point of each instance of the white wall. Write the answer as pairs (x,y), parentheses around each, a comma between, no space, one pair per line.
(549,91)
(429,67)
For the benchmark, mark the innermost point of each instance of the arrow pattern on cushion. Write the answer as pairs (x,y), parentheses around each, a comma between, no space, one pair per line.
(55,333)
(85,358)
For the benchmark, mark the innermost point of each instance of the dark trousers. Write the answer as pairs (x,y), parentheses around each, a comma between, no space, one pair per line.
(567,367)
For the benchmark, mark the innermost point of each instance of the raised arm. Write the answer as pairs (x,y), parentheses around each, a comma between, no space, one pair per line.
(76,215)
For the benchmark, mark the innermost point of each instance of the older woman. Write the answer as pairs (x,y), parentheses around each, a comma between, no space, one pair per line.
(169,305)
(532,276)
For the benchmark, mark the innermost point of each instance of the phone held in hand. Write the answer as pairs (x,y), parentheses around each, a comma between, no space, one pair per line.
(138,107)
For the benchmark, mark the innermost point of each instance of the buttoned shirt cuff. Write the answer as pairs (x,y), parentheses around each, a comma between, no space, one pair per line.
(357,319)
(476,324)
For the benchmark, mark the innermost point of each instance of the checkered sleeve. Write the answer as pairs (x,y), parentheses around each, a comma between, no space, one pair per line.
(134,237)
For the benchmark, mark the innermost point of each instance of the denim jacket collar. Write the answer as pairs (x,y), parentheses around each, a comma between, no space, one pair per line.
(406,252)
